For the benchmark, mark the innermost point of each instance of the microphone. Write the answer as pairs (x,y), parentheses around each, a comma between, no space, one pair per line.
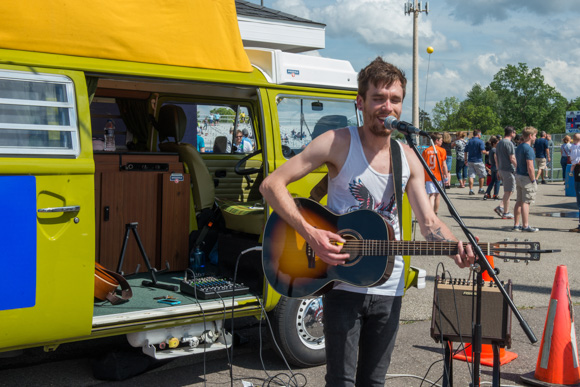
(403,127)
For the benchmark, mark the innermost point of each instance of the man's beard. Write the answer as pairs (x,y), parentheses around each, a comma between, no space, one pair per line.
(379,130)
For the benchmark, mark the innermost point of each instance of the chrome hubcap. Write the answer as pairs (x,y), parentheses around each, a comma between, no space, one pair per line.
(309,323)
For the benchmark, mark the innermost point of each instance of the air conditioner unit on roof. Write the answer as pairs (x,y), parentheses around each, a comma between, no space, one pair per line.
(286,68)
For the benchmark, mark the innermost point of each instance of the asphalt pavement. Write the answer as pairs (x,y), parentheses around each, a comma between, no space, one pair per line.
(416,355)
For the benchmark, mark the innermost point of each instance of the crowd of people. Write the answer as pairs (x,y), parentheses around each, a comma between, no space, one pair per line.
(510,161)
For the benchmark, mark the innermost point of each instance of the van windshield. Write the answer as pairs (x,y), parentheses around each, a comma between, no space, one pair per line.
(303,119)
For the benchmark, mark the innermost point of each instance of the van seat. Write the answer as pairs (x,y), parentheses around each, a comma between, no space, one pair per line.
(238,216)
(243,217)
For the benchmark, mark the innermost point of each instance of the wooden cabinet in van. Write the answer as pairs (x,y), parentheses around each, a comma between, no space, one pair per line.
(152,190)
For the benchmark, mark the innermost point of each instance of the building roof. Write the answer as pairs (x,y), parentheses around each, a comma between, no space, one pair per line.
(245,8)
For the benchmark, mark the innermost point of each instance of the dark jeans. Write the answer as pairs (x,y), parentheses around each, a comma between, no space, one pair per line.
(494,182)
(461,169)
(564,163)
(359,326)
(577,188)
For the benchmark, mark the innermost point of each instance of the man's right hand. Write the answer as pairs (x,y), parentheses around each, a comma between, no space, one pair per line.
(327,246)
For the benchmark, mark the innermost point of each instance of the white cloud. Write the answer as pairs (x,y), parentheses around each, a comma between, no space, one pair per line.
(488,64)
(378,23)
(449,83)
(564,76)
(536,32)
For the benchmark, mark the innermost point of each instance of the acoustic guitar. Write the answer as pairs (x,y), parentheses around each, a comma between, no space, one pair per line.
(293,270)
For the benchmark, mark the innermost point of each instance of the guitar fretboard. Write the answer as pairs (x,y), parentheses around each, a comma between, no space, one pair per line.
(380,247)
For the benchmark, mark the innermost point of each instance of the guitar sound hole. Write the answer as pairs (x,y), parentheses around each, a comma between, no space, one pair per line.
(352,248)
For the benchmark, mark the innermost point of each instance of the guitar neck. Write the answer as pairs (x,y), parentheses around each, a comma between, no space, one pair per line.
(416,248)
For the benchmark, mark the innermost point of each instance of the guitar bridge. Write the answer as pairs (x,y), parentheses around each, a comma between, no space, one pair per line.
(310,256)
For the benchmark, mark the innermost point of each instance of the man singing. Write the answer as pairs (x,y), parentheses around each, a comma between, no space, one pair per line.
(360,324)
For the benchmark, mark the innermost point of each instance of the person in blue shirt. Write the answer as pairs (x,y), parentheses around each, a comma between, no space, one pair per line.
(200,142)
(542,148)
(474,160)
(526,186)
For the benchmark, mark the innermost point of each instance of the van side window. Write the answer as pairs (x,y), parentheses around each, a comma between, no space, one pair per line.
(301,120)
(220,129)
(37,115)
(105,111)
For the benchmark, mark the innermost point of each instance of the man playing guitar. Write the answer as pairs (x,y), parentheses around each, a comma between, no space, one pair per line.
(361,323)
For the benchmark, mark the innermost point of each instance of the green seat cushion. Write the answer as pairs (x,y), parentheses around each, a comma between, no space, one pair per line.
(243,217)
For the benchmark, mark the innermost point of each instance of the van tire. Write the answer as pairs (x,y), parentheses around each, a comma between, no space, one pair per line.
(297,327)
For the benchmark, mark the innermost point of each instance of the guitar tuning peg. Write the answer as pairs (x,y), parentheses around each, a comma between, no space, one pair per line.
(516,240)
(506,240)
(506,260)
(527,261)
(526,240)
(516,260)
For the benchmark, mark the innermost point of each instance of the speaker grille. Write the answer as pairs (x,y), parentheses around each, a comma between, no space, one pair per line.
(452,313)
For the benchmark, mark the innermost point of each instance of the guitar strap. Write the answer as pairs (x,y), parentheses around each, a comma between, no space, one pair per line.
(396,162)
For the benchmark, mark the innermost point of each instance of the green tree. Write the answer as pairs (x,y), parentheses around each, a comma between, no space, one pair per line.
(480,117)
(526,100)
(573,105)
(224,111)
(478,111)
(444,114)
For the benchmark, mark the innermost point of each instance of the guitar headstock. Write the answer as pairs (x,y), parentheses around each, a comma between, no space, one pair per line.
(517,250)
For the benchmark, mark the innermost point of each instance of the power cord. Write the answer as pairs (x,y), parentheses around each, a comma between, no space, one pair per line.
(292,378)
(203,316)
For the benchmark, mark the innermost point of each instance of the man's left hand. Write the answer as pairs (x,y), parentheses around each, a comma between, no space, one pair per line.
(465,256)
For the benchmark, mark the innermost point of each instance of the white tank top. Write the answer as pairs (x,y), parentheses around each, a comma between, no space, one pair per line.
(369,189)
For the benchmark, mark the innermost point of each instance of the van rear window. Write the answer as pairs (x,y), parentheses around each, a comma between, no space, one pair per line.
(38,115)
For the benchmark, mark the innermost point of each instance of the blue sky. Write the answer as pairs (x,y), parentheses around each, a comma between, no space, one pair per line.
(473,39)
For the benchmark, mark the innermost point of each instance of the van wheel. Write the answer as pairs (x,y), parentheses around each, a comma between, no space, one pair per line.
(298,330)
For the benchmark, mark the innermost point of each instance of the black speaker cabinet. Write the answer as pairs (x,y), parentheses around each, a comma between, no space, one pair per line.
(452,318)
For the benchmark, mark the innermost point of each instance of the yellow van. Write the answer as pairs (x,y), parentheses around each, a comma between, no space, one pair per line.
(144,163)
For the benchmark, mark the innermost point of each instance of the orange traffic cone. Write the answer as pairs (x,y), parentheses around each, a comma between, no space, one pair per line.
(486,356)
(486,349)
(558,356)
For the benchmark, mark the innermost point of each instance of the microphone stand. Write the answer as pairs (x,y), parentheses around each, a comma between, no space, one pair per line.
(483,264)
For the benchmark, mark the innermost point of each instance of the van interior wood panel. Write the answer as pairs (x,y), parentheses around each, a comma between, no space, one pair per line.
(161,211)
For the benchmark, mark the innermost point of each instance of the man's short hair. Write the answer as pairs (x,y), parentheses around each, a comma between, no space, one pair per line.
(476,132)
(528,131)
(542,134)
(436,136)
(508,131)
(380,73)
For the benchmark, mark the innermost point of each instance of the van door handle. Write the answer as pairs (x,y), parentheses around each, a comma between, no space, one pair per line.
(61,209)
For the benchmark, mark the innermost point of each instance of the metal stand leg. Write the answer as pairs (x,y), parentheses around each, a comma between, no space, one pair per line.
(448,365)
(153,283)
(496,365)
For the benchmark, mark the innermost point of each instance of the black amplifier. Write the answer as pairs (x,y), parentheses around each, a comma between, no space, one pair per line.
(453,303)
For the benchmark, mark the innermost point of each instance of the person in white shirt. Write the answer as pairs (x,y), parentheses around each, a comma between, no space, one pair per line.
(575,170)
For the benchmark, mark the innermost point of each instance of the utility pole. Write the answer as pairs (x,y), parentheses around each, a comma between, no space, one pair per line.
(414,8)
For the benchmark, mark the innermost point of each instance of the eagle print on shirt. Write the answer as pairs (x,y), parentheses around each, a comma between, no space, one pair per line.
(366,201)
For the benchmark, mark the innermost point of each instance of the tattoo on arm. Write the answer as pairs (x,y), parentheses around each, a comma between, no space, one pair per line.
(437,236)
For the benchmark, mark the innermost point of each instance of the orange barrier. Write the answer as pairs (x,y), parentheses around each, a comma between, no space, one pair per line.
(558,357)
(486,349)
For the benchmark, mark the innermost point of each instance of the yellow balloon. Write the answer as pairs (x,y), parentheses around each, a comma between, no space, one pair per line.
(430,50)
